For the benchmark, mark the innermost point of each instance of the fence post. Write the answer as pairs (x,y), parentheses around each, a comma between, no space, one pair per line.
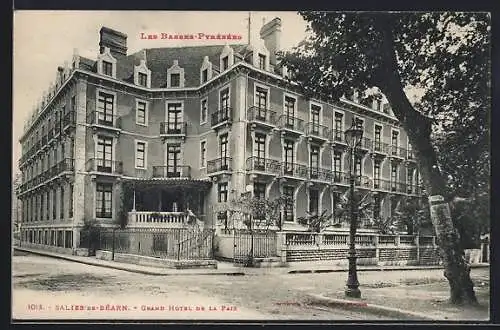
(417,244)
(377,250)
(113,245)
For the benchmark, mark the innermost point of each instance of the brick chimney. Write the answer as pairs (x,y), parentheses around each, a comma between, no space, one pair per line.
(116,41)
(271,34)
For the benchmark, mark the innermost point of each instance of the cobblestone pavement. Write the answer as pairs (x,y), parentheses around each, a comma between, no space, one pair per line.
(51,288)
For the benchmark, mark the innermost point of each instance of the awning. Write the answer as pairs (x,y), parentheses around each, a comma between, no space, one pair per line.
(170,182)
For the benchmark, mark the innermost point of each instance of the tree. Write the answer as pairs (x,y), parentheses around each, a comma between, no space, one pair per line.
(317,222)
(411,215)
(444,56)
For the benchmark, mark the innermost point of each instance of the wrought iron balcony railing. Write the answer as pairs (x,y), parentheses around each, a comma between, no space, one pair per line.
(67,164)
(219,164)
(398,152)
(104,166)
(317,130)
(104,119)
(179,171)
(256,114)
(69,119)
(264,165)
(295,170)
(291,123)
(380,147)
(366,143)
(222,116)
(337,136)
(173,128)
(317,173)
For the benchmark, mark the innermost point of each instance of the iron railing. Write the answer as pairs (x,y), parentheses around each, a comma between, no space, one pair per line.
(264,165)
(398,151)
(337,136)
(221,116)
(179,171)
(317,130)
(295,170)
(104,166)
(317,173)
(380,147)
(169,128)
(104,119)
(219,164)
(261,115)
(286,122)
(69,119)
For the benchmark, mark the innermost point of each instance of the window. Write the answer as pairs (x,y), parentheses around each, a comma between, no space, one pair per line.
(204,111)
(203,154)
(410,151)
(409,180)
(288,151)
(140,154)
(175,80)
(259,190)
(224,99)
(174,118)
(107,68)
(222,192)
(104,155)
(54,204)
(337,166)
(105,109)
(143,79)
(394,176)
(61,204)
(104,197)
(70,200)
(315,111)
(73,103)
(223,151)
(173,160)
(395,142)
(313,201)
(225,63)
(141,115)
(378,104)
(47,199)
(378,138)
(289,111)
(288,215)
(259,151)
(261,102)
(376,174)
(262,62)
(339,117)
(314,161)
(204,76)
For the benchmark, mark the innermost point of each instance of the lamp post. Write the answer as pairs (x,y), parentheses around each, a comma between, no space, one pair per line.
(353,138)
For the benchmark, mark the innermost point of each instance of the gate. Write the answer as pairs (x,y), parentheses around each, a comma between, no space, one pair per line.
(249,245)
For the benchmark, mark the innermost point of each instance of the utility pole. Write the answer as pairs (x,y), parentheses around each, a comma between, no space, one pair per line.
(249,25)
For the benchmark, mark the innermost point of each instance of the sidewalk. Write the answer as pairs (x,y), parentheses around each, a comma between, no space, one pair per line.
(227,268)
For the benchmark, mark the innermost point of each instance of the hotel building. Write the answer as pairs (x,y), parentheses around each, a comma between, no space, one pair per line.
(188,128)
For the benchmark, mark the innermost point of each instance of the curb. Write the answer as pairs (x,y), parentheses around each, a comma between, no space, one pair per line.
(374,269)
(138,271)
(370,308)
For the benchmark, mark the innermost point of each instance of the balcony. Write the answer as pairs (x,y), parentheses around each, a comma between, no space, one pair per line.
(221,117)
(291,124)
(173,129)
(397,152)
(362,181)
(317,131)
(44,141)
(340,177)
(104,166)
(66,165)
(365,144)
(57,128)
(69,120)
(321,174)
(219,165)
(264,165)
(262,117)
(180,171)
(390,186)
(104,120)
(410,155)
(380,148)
(294,170)
(337,137)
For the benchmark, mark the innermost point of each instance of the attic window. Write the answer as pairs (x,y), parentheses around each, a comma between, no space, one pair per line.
(225,63)
(262,61)
(107,68)
(175,80)
(204,76)
(143,79)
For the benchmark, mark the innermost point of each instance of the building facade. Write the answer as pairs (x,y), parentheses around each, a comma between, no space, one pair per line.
(148,136)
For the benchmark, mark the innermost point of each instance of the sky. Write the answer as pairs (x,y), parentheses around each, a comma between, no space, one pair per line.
(44,40)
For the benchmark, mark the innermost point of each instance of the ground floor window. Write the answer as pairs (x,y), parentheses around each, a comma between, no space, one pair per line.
(52,237)
(288,209)
(60,238)
(104,197)
(68,239)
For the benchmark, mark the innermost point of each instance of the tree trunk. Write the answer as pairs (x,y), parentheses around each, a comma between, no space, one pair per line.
(418,128)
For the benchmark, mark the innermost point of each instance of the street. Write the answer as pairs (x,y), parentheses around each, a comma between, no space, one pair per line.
(48,288)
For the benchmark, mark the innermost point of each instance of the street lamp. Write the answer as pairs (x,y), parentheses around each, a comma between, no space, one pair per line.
(353,138)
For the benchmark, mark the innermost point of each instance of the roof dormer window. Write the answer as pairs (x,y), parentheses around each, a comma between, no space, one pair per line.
(205,70)
(175,76)
(204,76)
(106,63)
(225,63)
(142,75)
(226,58)
(262,61)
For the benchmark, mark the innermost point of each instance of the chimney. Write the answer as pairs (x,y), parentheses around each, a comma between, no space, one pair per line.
(271,34)
(114,40)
